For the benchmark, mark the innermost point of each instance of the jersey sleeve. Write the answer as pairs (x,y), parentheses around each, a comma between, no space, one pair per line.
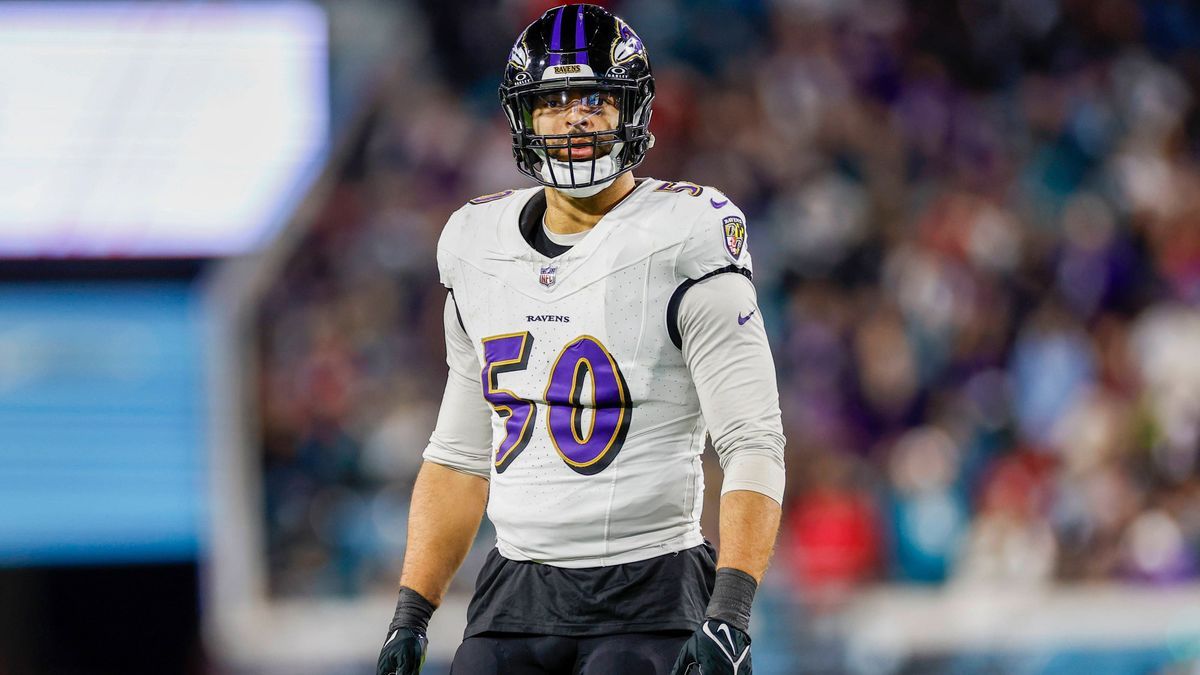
(717,241)
(462,438)
(716,244)
(726,350)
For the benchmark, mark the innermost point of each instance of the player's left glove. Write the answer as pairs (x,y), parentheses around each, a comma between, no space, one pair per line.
(403,652)
(721,645)
(716,648)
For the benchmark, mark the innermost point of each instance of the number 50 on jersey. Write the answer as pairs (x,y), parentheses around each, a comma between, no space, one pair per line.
(582,360)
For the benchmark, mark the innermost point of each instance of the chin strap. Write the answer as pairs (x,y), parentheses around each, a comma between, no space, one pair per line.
(604,169)
(554,170)
(581,192)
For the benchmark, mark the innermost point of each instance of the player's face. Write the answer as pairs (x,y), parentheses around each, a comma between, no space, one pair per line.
(575,111)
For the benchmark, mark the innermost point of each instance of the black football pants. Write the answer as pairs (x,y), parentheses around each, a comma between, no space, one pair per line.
(519,654)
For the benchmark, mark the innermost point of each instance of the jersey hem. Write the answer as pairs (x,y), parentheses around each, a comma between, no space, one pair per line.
(455,461)
(582,630)
(674,545)
(769,491)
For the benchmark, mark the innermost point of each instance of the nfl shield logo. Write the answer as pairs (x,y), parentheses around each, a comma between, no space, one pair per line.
(735,235)
(548,276)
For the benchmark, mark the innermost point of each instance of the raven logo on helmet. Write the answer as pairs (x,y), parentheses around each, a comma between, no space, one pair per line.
(519,56)
(628,46)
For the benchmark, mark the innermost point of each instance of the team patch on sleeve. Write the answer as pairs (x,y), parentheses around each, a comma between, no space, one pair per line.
(735,235)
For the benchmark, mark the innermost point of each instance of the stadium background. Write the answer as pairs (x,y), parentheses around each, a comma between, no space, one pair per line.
(976,230)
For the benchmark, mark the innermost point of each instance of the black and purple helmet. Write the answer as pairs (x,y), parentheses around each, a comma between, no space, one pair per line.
(579,47)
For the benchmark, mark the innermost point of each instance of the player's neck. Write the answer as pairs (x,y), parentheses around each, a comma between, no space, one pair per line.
(571,215)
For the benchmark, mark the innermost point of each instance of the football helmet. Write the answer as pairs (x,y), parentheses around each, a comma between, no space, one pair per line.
(587,56)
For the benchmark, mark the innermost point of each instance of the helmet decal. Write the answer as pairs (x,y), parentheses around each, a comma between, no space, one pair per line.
(519,56)
(628,46)
(567,70)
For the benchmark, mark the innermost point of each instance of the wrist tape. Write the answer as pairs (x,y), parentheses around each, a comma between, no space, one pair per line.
(733,594)
(412,611)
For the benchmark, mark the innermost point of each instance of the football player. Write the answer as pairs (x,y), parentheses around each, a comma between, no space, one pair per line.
(597,327)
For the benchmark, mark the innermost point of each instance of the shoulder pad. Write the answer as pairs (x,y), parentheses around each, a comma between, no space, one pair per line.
(680,187)
(717,238)
(474,227)
(448,246)
(693,198)
(487,199)
(481,213)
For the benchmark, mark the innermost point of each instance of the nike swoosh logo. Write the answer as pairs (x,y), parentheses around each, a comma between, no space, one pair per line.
(735,660)
(743,319)
(717,204)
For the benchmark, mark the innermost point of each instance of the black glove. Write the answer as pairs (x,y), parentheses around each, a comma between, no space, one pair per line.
(721,646)
(404,651)
(716,648)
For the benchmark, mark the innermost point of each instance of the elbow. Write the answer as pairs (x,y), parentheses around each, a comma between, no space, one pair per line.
(757,468)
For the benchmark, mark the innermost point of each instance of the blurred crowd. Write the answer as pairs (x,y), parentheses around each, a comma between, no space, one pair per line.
(976,230)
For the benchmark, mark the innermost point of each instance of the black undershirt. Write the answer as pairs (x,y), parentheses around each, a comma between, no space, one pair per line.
(530,221)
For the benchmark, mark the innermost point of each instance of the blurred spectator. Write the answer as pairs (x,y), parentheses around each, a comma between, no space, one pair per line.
(833,529)
(929,509)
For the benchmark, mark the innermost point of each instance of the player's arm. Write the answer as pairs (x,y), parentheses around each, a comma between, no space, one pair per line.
(446,509)
(447,504)
(725,347)
(451,490)
(749,525)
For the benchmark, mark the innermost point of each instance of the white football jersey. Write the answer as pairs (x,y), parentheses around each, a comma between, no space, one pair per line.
(596,426)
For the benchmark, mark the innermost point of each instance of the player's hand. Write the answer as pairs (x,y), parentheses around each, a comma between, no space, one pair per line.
(716,648)
(403,653)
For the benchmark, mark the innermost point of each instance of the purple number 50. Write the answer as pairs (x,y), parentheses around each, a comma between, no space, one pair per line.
(502,354)
(583,360)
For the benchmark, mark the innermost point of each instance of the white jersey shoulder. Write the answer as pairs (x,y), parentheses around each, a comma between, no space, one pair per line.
(705,223)
(474,228)
(714,234)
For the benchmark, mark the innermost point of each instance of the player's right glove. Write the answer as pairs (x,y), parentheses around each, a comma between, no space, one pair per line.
(404,651)
(716,648)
